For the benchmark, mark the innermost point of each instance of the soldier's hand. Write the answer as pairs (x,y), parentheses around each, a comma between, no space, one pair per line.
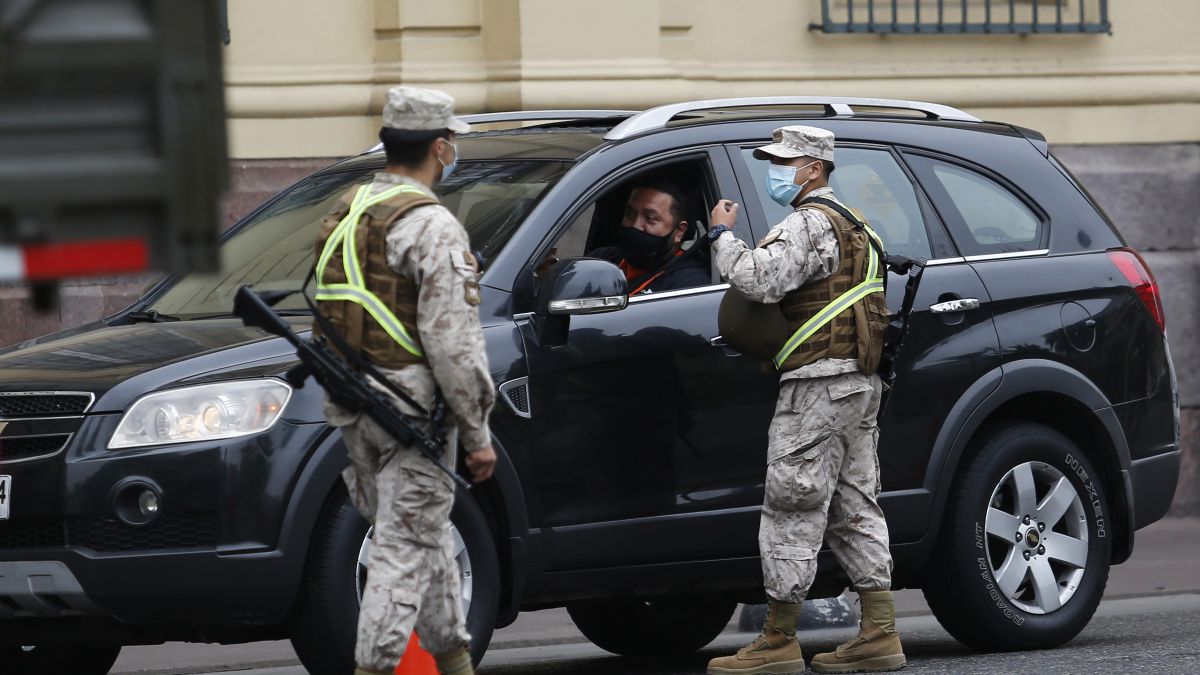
(481,463)
(724,213)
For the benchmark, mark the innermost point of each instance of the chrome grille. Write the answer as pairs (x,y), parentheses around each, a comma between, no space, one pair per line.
(44,403)
(516,394)
(38,424)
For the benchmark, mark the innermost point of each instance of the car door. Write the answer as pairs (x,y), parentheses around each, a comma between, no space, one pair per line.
(944,353)
(645,428)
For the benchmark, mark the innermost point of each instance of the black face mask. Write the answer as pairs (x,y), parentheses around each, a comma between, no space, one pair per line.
(645,250)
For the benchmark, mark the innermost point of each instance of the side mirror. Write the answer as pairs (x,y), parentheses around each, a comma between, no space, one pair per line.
(576,286)
(582,286)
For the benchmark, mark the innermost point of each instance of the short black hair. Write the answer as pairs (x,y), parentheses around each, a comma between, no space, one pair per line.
(409,148)
(828,167)
(679,203)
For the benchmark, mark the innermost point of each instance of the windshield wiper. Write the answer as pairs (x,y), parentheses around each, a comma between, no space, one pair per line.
(225,315)
(151,316)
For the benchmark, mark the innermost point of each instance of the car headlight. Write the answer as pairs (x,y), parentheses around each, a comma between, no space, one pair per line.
(202,413)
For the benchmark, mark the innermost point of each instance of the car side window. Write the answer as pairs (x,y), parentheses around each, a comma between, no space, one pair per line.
(984,217)
(872,182)
(594,230)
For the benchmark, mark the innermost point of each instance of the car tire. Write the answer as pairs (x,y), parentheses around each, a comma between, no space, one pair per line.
(59,659)
(632,627)
(994,591)
(323,625)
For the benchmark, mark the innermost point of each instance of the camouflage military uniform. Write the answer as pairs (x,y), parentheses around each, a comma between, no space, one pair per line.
(822,469)
(412,578)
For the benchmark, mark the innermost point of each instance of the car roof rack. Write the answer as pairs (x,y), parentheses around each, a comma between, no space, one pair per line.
(835,106)
(544,115)
(533,116)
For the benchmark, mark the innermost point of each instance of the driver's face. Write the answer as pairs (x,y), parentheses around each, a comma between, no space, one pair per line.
(649,211)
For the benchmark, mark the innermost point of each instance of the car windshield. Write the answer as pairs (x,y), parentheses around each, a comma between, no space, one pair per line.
(274,251)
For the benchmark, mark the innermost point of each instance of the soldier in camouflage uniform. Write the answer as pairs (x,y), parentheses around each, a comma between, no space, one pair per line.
(413,257)
(822,470)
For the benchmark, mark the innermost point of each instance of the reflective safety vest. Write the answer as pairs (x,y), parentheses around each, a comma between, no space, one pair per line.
(842,316)
(373,308)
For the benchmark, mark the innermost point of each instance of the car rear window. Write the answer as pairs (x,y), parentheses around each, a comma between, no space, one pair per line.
(984,217)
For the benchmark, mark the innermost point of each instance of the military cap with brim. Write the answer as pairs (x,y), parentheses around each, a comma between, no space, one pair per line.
(798,141)
(415,109)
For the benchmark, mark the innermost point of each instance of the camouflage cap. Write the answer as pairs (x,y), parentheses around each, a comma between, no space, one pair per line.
(798,141)
(414,109)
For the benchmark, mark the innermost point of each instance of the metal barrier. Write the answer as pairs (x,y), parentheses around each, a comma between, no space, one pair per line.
(957,17)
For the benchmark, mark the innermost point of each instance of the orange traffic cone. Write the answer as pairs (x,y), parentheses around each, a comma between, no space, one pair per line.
(416,661)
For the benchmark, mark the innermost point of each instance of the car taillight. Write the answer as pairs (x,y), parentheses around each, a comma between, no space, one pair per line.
(1138,274)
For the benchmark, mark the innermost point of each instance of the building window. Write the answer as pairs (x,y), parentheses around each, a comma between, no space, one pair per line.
(955,17)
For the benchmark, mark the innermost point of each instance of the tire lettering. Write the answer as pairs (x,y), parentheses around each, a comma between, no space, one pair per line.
(994,593)
(1092,494)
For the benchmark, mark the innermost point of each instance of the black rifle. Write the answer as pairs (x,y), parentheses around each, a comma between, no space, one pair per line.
(897,329)
(893,335)
(346,386)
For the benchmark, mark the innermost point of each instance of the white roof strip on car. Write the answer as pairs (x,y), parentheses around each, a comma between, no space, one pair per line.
(657,118)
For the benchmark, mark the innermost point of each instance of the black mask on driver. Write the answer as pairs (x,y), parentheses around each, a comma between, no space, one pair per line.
(644,250)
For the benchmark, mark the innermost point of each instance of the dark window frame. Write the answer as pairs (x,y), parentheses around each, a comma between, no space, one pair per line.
(993,11)
(941,244)
(953,219)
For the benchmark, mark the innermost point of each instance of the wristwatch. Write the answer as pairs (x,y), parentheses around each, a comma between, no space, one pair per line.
(717,231)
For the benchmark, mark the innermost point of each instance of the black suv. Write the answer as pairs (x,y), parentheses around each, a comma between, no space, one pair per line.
(162,482)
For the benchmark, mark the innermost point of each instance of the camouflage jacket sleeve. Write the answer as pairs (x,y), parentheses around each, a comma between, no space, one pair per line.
(432,248)
(800,249)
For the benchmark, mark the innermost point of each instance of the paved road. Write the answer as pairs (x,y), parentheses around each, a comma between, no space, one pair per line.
(1150,621)
(1147,635)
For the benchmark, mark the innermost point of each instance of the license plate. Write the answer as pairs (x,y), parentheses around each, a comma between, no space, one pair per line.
(5,495)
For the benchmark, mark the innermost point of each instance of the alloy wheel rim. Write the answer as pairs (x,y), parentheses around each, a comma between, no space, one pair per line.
(461,556)
(1036,541)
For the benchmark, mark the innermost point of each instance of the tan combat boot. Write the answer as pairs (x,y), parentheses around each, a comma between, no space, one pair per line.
(455,663)
(774,651)
(877,645)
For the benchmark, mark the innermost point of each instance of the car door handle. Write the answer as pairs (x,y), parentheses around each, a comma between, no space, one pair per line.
(959,305)
(717,341)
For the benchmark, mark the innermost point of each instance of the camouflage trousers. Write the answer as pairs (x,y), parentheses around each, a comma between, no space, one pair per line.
(412,578)
(822,484)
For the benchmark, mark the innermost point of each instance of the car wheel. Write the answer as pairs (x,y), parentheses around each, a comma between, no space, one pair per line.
(632,627)
(323,626)
(1024,556)
(58,659)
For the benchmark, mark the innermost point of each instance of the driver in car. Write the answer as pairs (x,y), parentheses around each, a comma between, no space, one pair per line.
(650,242)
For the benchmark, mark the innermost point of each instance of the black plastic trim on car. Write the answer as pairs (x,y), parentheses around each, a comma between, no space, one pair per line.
(993,390)
(1154,480)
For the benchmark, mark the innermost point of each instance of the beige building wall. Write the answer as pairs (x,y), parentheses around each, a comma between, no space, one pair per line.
(312,85)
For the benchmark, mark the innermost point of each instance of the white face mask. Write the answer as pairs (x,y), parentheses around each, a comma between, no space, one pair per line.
(448,169)
(781,182)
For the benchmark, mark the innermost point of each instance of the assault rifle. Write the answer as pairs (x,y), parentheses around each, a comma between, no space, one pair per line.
(347,385)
